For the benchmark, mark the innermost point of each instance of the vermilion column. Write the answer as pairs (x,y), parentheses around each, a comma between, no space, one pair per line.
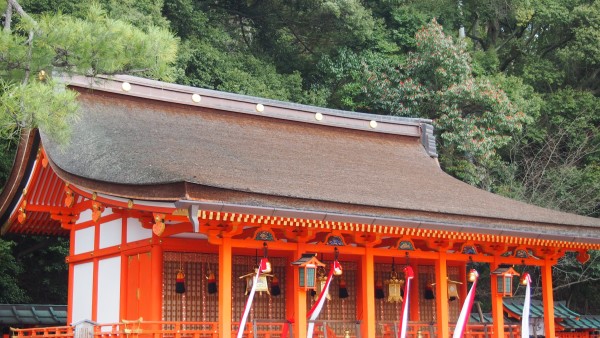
(441,296)
(497,306)
(548,296)
(156,286)
(300,322)
(414,312)
(367,293)
(225,288)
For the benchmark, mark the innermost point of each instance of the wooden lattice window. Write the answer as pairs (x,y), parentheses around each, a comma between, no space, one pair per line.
(195,304)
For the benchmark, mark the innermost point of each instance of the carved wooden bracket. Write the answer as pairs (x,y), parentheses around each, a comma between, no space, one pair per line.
(66,220)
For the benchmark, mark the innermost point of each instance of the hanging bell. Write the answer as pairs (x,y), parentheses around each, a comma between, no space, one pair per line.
(321,281)
(472,276)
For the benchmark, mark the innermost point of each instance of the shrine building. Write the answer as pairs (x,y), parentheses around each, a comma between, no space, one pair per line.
(172,196)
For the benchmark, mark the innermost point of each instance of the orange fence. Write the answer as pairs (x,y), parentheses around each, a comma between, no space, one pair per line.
(254,329)
(149,329)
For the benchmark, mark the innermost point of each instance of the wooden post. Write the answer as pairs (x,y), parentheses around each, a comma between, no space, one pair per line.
(225,288)
(497,306)
(300,322)
(367,294)
(548,297)
(441,296)
(290,291)
(414,311)
(156,282)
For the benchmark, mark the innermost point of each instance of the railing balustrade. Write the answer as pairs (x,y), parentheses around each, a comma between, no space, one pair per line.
(257,328)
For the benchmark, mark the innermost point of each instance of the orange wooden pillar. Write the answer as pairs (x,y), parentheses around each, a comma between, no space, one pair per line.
(290,291)
(497,306)
(156,274)
(548,297)
(225,288)
(367,294)
(300,321)
(414,310)
(441,296)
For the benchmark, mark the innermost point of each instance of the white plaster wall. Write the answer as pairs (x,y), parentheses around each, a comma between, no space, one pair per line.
(85,216)
(109,290)
(83,279)
(135,231)
(84,240)
(110,233)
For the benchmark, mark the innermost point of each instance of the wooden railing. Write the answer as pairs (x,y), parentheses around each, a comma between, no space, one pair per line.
(254,329)
(389,329)
(159,329)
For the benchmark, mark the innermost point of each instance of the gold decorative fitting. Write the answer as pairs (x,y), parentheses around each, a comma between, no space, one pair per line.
(318,116)
(260,108)
(126,86)
(373,124)
(94,195)
(97,210)
(22,215)
(42,75)
(24,192)
(196,98)
(130,204)
(69,197)
(159,224)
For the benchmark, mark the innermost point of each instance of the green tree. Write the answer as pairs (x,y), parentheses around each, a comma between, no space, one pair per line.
(557,159)
(45,278)
(474,117)
(10,269)
(35,50)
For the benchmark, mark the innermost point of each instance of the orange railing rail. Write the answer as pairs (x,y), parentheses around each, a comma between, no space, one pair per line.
(254,329)
(390,329)
(155,329)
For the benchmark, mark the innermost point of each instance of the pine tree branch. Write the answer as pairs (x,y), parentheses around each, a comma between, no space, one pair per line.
(8,18)
(15,5)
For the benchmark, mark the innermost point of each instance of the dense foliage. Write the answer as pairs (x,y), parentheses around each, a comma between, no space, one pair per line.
(515,101)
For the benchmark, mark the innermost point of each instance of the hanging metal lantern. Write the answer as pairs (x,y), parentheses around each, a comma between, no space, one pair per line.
(264,266)
(307,268)
(504,275)
(394,286)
